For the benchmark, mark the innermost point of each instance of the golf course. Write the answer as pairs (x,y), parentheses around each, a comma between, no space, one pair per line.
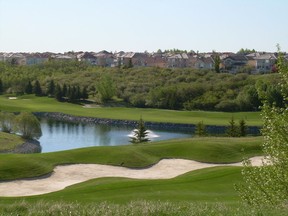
(200,190)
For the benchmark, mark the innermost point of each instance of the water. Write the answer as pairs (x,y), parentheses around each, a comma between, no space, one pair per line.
(58,136)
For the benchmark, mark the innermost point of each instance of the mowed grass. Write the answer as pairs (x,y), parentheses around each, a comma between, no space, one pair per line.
(31,103)
(9,141)
(207,187)
(210,150)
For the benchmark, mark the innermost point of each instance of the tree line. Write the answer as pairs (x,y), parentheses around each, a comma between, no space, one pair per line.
(164,88)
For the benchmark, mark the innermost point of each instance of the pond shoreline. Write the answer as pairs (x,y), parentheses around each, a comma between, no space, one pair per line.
(211,129)
(28,147)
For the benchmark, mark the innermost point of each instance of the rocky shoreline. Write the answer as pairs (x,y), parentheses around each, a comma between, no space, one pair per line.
(211,129)
(30,146)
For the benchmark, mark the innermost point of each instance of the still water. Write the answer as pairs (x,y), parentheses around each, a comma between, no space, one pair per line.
(58,136)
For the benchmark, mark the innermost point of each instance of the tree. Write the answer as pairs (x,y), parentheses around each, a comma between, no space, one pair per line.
(84,93)
(268,184)
(1,86)
(7,121)
(64,90)
(140,134)
(130,64)
(200,129)
(58,93)
(37,89)
(232,130)
(106,88)
(217,62)
(29,88)
(28,126)
(242,128)
(51,88)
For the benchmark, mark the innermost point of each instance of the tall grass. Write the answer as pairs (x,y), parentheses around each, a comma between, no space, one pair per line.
(134,208)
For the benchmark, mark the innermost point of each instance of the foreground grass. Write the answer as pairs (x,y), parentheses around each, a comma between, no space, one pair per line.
(134,208)
(209,149)
(43,104)
(9,141)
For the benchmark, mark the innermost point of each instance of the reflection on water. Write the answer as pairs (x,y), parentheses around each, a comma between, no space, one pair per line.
(59,136)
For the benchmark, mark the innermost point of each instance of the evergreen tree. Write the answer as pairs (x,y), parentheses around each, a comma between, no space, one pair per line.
(51,88)
(200,129)
(140,134)
(64,90)
(242,128)
(29,88)
(232,130)
(217,62)
(58,93)
(37,89)
(1,86)
(84,94)
(130,64)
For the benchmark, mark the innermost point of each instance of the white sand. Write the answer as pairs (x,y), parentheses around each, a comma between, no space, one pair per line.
(67,175)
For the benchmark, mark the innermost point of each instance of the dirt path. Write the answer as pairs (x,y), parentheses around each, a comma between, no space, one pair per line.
(67,175)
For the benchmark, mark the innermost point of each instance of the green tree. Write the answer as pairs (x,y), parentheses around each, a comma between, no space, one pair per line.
(140,133)
(7,121)
(84,93)
(37,90)
(64,90)
(51,88)
(29,88)
(232,129)
(58,93)
(200,129)
(242,128)
(1,86)
(217,62)
(268,184)
(106,88)
(28,126)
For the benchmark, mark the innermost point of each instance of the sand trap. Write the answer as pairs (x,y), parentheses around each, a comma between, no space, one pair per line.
(67,175)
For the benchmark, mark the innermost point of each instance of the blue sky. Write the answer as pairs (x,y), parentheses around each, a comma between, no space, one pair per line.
(139,25)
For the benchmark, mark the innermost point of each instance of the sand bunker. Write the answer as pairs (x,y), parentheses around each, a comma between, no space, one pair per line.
(67,175)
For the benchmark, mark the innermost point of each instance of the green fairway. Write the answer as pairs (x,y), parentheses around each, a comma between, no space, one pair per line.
(43,104)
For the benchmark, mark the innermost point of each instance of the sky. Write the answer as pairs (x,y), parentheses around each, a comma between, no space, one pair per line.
(143,25)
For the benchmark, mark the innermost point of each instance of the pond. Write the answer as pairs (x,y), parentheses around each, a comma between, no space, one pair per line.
(58,136)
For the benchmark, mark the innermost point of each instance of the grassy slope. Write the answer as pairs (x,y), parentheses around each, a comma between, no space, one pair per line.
(214,150)
(9,141)
(44,104)
(207,185)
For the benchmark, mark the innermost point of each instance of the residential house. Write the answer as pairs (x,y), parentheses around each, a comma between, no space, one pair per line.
(14,58)
(88,57)
(201,62)
(177,60)
(263,62)
(233,63)
(104,59)
(36,58)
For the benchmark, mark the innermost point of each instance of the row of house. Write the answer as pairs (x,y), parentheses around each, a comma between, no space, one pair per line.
(230,62)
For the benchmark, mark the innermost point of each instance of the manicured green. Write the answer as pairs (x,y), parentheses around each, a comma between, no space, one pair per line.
(9,141)
(31,103)
(209,149)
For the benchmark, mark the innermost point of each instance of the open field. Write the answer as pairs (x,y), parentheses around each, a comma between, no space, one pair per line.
(43,104)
